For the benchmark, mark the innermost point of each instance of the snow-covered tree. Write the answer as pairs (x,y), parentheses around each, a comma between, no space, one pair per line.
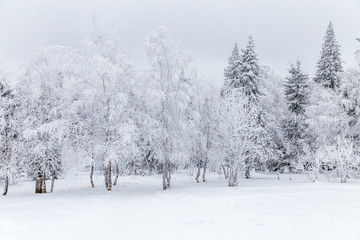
(250,87)
(110,80)
(9,165)
(250,73)
(232,71)
(274,105)
(329,66)
(167,103)
(296,89)
(43,106)
(325,116)
(350,90)
(247,141)
(296,95)
(208,129)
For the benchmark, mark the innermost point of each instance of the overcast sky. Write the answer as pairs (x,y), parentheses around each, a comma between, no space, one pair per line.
(284,30)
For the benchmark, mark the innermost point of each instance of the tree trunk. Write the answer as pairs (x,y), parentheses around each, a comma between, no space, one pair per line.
(198,171)
(205,165)
(38,185)
(6,187)
(247,168)
(106,176)
(166,175)
(225,172)
(109,183)
(52,181)
(117,173)
(91,175)
(44,182)
(6,149)
(233,178)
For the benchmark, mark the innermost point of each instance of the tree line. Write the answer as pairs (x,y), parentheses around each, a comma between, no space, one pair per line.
(73,110)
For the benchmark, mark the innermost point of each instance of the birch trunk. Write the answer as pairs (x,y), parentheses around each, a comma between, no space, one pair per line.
(43,190)
(233,178)
(206,157)
(117,173)
(166,175)
(52,181)
(205,165)
(225,172)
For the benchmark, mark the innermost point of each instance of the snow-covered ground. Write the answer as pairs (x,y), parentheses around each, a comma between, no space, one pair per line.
(260,208)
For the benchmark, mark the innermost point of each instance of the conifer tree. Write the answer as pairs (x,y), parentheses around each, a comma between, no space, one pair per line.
(232,71)
(250,72)
(250,83)
(296,89)
(246,130)
(296,95)
(329,65)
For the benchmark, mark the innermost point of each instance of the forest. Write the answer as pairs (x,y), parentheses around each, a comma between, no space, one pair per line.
(89,110)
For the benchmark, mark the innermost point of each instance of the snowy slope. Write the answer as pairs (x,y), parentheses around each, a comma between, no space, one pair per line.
(260,208)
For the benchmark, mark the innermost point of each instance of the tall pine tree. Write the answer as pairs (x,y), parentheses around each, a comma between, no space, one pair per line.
(329,65)
(296,95)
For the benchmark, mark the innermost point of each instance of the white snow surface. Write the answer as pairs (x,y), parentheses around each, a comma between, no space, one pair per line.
(259,208)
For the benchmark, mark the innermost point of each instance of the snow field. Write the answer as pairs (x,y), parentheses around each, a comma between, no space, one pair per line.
(259,208)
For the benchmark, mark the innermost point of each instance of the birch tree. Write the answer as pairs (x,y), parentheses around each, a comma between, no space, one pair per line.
(168,102)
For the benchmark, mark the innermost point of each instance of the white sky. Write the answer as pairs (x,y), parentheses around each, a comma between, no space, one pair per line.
(284,30)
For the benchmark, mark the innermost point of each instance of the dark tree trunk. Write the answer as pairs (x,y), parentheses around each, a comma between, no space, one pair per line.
(109,182)
(6,187)
(38,185)
(91,176)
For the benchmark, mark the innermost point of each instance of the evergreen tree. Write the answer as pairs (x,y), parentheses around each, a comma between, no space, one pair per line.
(329,65)
(246,131)
(250,88)
(296,89)
(296,95)
(232,71)
(250,72)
